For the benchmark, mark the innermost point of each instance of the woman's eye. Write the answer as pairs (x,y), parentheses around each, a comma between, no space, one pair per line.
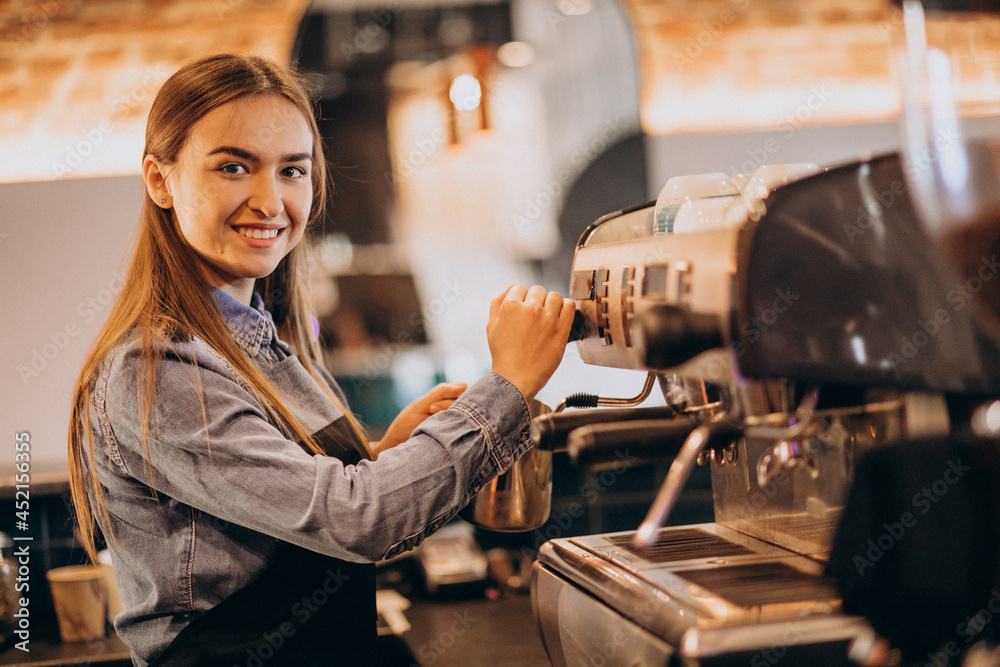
(293,172)
(233,168)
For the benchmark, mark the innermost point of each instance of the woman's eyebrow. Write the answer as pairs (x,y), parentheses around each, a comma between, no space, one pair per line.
(236,152)
(252,157)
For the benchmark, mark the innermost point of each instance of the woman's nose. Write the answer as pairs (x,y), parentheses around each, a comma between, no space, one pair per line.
(266,197)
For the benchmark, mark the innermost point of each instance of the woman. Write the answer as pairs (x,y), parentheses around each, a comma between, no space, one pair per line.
(242,505)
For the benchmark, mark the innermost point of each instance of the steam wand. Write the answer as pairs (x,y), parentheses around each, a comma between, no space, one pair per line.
(724,430)
(593,401)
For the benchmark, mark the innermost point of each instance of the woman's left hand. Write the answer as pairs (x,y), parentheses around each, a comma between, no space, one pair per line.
(437,399)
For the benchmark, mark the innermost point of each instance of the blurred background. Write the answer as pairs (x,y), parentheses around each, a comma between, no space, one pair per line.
(471,142)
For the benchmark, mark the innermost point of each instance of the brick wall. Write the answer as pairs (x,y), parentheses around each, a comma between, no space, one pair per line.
(734,65)
(77,76)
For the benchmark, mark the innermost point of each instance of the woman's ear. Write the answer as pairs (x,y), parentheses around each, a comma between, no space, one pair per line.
(156,182)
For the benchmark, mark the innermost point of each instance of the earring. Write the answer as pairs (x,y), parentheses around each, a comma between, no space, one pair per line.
(163,201)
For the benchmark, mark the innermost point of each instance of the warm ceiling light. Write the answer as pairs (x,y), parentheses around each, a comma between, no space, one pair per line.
(465,92)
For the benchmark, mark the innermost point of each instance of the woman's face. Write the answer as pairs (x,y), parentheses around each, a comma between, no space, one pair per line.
(241,189)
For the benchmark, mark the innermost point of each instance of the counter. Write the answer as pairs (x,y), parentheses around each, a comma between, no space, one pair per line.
(482,632)
(458,633)
(48,651)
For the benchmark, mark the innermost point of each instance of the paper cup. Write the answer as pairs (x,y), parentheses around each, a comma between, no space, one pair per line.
(115,604)
(80,600)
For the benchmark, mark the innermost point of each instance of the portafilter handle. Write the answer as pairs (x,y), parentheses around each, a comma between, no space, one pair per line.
(707,435)
(580,328)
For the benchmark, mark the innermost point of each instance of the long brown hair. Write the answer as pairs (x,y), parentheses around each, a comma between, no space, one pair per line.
(165,297)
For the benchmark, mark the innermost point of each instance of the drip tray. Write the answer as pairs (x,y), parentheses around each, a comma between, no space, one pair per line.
(684,544)
(757,584)
(712,595)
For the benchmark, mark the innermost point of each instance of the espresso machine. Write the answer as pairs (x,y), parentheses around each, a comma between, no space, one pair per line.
(798,322)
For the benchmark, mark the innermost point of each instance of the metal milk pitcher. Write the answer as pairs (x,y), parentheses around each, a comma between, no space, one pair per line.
(519,500)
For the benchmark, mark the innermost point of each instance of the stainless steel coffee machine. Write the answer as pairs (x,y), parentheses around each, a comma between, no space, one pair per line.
(795,320)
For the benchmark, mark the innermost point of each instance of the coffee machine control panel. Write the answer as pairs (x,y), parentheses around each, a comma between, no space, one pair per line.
(630,282)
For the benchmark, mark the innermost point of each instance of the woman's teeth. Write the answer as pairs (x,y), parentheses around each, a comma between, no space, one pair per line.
(253,233)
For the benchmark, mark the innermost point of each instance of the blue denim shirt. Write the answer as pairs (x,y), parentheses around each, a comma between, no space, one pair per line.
(202,516)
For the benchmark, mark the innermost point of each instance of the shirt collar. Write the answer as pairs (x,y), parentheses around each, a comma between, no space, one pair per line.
(251,325)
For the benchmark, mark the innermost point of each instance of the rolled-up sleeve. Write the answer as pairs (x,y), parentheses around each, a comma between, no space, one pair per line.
(213,446)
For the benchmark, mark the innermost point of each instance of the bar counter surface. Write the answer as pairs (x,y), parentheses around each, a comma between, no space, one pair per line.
(458,633)
(45,650)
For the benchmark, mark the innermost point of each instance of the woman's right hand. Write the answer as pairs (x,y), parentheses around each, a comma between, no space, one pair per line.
(527,334)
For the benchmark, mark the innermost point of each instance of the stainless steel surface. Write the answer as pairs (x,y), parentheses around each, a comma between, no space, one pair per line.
(677,476)
(799,506)
(576,631)
(520,499)
(687,596)
(620,262)
(788,357)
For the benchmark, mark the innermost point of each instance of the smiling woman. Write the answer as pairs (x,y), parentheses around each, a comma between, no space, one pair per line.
(241,189)
(207,443)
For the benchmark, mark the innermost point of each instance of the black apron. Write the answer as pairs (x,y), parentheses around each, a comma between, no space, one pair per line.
(303,609)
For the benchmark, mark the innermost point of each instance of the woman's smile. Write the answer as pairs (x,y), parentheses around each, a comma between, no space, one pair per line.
(257,232)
